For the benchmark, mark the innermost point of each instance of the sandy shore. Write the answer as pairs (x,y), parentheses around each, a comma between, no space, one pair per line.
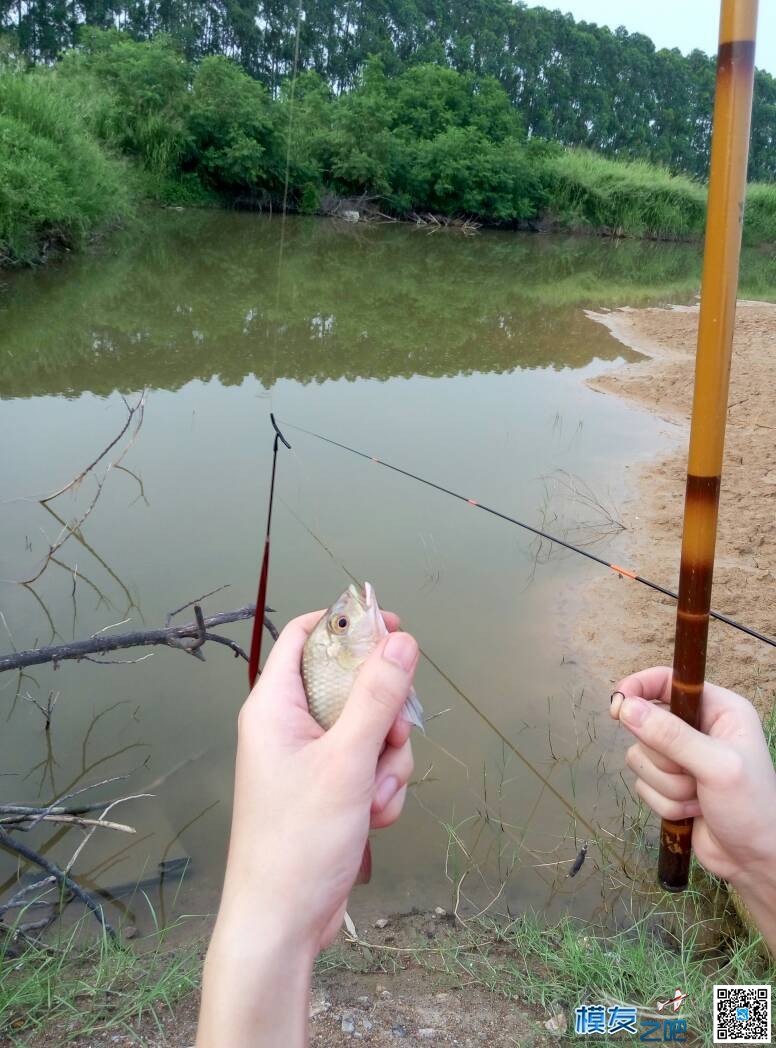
(634,623)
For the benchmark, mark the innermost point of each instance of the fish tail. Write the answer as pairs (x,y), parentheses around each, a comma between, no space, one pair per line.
(365,869)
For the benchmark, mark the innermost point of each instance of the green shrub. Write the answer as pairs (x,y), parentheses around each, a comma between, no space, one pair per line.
(231,128)
(760,214)
(57,184)
(140,95)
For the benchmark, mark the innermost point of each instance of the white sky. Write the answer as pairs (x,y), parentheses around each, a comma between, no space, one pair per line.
(685,24)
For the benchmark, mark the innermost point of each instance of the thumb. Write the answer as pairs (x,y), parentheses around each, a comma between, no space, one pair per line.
(380,690)
(669,735)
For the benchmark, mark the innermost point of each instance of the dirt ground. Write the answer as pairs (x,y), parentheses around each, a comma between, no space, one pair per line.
(635,622)
(415,1006)
(417,1002)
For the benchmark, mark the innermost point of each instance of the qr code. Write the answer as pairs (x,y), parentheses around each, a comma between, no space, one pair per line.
(742,1015)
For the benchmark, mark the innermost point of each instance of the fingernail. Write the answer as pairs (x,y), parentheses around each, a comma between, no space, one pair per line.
(634,711)
(615,701)
(401,649)
(386,791)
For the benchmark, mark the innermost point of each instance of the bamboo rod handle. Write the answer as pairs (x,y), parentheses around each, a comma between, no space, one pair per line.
(722,249)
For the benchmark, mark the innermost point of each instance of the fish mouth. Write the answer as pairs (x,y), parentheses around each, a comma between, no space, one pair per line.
(365,595)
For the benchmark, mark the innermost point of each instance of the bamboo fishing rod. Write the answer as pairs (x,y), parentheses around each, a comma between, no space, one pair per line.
(722,249)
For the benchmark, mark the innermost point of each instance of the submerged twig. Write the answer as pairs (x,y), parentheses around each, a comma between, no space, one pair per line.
(170,636)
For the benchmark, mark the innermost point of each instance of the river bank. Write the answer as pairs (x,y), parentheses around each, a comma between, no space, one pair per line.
(635,623)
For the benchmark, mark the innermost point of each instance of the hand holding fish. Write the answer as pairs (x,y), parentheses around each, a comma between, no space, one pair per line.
(304,802)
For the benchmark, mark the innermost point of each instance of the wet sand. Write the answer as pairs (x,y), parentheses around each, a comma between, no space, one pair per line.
(629,625)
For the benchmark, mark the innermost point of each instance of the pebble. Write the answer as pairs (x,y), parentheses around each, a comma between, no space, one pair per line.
(319,1003)
(364,1000)
(399,1031)
(557,1023)
(367,1024)
(439,912)
(381,922)
(348,1026)
(427,1033)
(129,931)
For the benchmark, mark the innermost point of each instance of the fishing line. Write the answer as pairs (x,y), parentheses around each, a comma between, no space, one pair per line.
(616,568)
(261,599)
(570,808)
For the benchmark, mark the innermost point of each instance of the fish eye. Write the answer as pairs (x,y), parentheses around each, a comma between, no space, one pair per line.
(339,623)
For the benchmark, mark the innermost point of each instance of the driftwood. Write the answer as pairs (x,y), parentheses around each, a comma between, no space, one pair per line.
(189,637)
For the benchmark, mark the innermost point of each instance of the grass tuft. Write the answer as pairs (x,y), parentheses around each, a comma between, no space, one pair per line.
(81,986)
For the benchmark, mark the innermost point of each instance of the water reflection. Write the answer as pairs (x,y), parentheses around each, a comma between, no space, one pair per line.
(206,295)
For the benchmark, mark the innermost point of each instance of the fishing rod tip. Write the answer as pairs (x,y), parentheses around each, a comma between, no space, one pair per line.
(277,430)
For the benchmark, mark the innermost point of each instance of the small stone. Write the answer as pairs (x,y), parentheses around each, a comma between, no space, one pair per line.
(364,1000)
(427,1033)
(129,931)
(399,1031)
(367,1024)
(381,922)
(348,1026)
(319,1003)
(439,912)
(386,994)
(557,1023)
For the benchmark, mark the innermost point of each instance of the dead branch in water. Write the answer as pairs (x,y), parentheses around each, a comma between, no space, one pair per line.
(189,637)
(432,223)
(60,876)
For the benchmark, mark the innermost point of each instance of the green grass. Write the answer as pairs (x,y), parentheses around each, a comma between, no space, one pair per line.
(76,987)
(587,192)
(555,968)
(58,185)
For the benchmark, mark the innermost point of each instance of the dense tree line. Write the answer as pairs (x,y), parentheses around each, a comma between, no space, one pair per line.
(572,82)
(117,120)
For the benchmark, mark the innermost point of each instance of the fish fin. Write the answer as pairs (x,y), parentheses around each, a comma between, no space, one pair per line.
(413,711)
(364,874)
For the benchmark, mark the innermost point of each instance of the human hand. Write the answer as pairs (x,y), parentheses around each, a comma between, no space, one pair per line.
(722,776)
(304,799)
(304,802)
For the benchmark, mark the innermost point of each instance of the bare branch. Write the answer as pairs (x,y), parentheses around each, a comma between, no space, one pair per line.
(62,878)
(171,636)
(131,412)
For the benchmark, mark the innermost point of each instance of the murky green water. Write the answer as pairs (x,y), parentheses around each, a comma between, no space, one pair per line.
(463,360)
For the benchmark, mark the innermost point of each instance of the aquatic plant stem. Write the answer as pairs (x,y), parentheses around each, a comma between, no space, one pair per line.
(727,189)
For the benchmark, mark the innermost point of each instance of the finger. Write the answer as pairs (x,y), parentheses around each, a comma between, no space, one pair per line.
(664,763)
(286,652)
(653,684)
(391,812)
(669,736)
(394,769)
(381,689)
(401,729)
(664,806)
(391,620)
(676,786)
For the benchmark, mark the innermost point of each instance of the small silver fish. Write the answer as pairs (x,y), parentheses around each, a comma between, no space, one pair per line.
(337,648)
